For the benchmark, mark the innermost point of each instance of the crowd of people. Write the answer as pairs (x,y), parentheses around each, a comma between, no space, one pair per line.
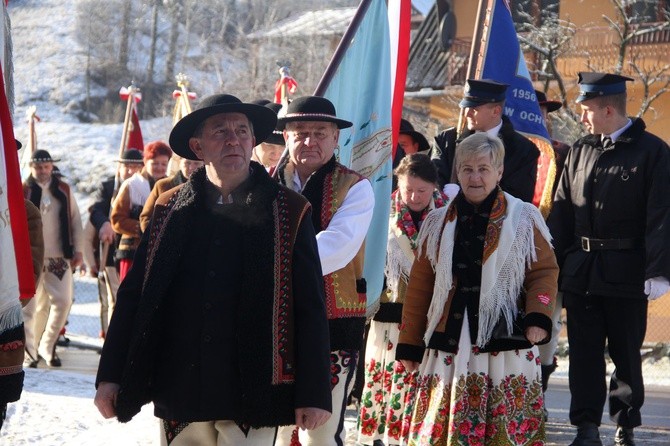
(233,298)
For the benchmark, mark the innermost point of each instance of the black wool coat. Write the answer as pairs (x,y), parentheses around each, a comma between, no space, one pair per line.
(198,328)
(622,192)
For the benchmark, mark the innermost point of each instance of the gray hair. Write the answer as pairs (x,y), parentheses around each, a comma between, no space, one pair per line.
(479,144)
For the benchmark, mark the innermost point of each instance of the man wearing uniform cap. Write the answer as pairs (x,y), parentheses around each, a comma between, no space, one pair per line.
(343,201)
(45,315)
(484,103)
(610,224)
(221,321)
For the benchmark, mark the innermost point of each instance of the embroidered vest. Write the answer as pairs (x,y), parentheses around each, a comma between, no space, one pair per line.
(345,288)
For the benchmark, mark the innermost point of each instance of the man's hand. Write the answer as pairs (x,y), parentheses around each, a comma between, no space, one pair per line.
(77,260)
(410,366)
(106,233)
(536,334)
(309,418)
(105,399)
(656,287)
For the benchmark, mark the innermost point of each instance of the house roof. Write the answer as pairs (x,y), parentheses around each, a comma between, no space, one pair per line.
(324,22)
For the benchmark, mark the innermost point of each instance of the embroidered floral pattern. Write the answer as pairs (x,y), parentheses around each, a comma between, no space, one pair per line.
(473,410)
(58,267)
(404,220)
(283,371)
(494,227)
(172,429)
(386,404)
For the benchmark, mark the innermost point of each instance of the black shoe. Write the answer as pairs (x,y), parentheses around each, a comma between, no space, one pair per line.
(624,436)
(587,435)
(30,362)
(63,341)
(54,361)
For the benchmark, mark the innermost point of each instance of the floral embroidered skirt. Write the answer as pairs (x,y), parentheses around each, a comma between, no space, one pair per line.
(474,398)
(386,406)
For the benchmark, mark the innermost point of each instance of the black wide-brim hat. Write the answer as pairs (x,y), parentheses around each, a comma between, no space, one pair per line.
(406,128)
(552,106)
(277,136)
(131,156)
(311,108)
(262,119)
(42,156)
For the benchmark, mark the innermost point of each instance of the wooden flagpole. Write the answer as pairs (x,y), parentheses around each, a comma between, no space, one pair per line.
(474,67)
(342,48)
(130,103)
(334,63)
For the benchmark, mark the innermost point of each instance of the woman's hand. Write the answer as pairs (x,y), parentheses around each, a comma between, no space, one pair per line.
(536,334)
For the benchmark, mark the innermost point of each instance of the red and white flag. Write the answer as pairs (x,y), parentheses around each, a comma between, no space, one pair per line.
(16,265)
(134,138)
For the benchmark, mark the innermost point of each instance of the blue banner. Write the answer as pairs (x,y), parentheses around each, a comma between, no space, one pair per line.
(504,62)
(361,90)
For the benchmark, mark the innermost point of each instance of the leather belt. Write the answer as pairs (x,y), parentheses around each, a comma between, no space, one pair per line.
(589,244)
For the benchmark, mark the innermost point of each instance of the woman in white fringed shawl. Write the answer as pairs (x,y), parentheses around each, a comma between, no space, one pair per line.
(485,265)
(385,412)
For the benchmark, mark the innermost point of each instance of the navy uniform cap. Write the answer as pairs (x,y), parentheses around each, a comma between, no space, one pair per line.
(482,91)
(594,85)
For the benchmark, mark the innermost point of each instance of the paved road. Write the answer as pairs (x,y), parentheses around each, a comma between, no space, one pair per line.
(655,412)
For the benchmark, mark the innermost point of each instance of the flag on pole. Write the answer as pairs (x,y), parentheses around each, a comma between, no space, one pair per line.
(134,136)
(16,266)
(501,59)
(364,89)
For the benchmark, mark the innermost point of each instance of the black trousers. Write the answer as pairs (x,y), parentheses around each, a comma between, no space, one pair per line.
(622,323)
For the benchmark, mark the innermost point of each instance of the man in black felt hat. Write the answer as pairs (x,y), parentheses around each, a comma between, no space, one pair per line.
(98,230)
(229,335)
(484,103)
(343,201)
(269,151)
(561,149)
(45,315)
(610,224)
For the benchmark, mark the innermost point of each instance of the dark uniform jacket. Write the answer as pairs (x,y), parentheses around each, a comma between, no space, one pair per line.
(99,215)
(222,315)
(520,164)
(619,193)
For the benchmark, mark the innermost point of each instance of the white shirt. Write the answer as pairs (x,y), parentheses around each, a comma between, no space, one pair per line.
(614,135)
(341,240)
(493,133)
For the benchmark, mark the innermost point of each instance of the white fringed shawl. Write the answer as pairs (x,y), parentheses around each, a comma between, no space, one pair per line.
(503,272)
(138,189)
(399,252)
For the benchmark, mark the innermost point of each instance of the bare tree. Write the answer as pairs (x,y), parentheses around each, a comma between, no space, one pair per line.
(125,34)
(628,30)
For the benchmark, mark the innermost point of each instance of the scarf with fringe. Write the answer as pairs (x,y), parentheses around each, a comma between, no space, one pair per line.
(509,248)
(402,240)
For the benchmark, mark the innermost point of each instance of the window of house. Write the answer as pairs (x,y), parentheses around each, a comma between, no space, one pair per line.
(646,11)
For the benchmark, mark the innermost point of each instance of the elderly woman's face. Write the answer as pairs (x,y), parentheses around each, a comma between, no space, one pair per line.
(157,166)
(478,178)
(415,192)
